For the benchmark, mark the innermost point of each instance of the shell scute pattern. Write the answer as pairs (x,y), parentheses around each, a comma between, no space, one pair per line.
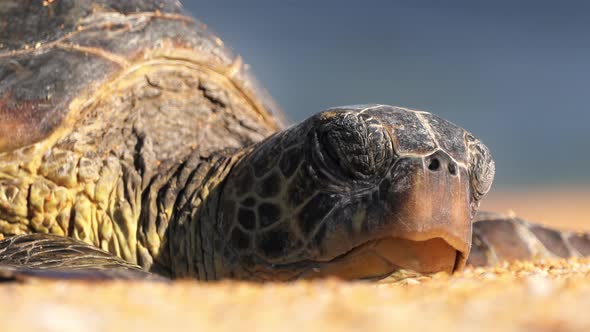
(241,240)
(278,243)
(266,159)
(247,218)
(410,135)
(269,214)
(448,136)
(311,214)
(290,161)
(269,186)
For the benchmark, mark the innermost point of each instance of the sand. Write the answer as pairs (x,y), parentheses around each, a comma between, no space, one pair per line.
(561,207)
(522,296)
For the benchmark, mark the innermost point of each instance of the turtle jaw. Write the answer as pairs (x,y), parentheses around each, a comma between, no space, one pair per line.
(390,257)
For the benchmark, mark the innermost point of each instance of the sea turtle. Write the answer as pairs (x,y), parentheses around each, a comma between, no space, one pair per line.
(133,144)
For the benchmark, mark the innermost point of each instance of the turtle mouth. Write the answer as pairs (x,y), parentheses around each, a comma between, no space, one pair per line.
(393,257)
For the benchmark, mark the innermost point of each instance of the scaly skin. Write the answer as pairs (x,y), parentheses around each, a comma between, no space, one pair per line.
(115,183)
(498,238)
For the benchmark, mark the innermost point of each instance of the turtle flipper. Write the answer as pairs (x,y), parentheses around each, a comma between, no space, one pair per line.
(54,257)
(499,238)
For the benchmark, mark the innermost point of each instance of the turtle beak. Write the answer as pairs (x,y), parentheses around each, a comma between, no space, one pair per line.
(431,217)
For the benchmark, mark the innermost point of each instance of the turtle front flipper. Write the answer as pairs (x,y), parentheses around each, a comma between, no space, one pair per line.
(54,257)
(498,238)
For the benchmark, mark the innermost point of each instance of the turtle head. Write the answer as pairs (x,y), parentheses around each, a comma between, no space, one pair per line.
(358,192)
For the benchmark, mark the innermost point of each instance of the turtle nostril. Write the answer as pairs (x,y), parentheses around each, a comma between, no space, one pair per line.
(452,169)
(434,164)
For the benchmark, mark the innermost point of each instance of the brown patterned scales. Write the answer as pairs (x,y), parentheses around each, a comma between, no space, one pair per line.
(498,237)
(134,144)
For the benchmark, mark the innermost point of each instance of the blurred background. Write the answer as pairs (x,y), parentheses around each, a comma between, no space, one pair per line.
(515,73)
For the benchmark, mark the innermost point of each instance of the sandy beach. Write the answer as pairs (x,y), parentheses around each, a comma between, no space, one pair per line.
(561,207)
(542,296)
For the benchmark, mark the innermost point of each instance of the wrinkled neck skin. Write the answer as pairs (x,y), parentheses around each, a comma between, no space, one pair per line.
(178,218)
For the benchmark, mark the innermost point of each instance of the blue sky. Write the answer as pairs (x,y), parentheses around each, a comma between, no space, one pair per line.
(515,73)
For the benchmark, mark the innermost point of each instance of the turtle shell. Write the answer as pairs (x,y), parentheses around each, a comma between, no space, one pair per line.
(54,51)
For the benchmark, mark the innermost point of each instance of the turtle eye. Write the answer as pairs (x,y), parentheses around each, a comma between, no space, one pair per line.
(355,145)
(481,167)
